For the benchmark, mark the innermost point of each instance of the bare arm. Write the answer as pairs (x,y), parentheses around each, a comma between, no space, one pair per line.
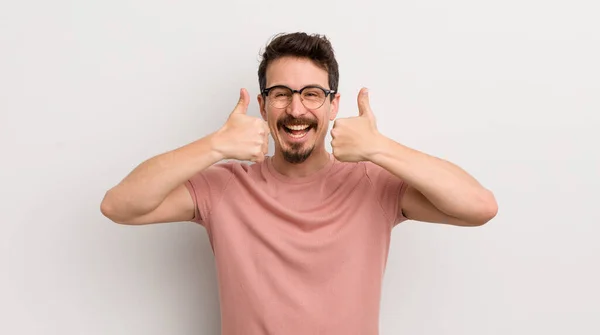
(439,191)
(155,190)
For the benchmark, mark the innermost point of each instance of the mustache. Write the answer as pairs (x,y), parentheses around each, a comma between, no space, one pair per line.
(290,120)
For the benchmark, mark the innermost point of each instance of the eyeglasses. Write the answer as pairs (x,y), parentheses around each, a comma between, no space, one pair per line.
(312,97)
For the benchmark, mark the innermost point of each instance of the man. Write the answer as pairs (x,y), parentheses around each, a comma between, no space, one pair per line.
(300,238)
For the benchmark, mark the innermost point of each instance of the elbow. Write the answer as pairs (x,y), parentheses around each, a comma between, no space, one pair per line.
(120,211)
(485,211)
(107,208)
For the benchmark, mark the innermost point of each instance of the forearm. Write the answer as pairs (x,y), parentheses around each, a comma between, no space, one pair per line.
(145,188)
(448,187)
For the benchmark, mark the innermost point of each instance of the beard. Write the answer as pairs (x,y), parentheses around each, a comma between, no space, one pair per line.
(297,153)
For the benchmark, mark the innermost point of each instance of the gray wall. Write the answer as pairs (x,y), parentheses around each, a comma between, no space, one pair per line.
(508,90)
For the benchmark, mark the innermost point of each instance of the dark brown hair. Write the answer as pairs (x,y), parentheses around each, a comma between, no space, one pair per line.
(314,47)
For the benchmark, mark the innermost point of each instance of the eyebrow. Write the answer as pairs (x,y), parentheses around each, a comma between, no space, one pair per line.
(309,85)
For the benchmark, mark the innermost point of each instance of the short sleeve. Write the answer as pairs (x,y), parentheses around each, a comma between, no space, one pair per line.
(389,190)
(207,188)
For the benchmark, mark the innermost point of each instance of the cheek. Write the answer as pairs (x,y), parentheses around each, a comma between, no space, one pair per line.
(323,127)
(324,122)
(272,118)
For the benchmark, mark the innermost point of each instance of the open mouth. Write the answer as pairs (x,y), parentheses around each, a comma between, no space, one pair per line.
(297,131)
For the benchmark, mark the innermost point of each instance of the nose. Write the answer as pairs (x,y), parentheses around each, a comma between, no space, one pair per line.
(296,108)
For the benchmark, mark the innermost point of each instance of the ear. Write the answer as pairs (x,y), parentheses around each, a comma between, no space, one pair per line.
(261,105)
(335,105)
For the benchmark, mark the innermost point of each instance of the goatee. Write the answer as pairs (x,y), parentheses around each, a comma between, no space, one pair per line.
(296,155)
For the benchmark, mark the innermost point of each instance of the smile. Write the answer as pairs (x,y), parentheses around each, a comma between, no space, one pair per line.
(297,131)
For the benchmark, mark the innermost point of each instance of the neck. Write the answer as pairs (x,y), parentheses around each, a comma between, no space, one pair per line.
(315,162)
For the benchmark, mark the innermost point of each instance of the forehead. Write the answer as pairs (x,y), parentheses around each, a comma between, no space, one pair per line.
(296,73)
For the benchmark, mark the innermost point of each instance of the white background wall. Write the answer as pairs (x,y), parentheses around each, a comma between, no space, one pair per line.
(508,89)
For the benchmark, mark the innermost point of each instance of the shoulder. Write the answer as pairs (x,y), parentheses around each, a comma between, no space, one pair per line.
(219,173)
(235,170)
(374,171)
(230,167)
(357,169)
(375,175)
(346,172)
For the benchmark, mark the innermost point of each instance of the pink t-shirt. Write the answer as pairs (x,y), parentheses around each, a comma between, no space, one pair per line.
(298,256)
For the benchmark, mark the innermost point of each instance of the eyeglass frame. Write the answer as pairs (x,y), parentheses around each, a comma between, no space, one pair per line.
(265,93)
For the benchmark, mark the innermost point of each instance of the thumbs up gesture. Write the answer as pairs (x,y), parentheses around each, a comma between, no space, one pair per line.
(355,138)
(242,137)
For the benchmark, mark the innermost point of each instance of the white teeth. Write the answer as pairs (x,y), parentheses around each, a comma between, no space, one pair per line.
(298,127)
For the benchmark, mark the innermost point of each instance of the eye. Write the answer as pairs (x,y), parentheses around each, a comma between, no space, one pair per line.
(279,93)
(313,93)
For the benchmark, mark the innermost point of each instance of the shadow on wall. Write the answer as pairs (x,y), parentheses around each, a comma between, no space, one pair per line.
(167,270)
(199,290)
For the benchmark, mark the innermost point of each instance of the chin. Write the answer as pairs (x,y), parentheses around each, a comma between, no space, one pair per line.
(296,153)
(297,156)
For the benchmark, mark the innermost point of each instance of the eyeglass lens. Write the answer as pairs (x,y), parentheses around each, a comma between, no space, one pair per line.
(312,97)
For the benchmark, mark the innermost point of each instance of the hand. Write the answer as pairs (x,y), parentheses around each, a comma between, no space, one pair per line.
(355,138)
(242,137)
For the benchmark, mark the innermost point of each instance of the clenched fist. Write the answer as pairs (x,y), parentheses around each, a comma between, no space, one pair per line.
(354,139)
(242,137)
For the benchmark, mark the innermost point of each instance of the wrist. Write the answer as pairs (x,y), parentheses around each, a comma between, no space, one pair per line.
(215,146)
(379,146)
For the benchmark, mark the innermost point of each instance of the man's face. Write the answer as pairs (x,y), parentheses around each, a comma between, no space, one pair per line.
(296,129)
